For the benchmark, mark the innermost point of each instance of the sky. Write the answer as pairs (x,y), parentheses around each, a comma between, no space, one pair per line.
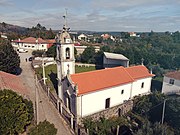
(94,15)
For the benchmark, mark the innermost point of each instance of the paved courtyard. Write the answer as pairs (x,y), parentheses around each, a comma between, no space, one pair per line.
(45,108)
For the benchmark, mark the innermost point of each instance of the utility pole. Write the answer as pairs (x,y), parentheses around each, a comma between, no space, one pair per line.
(164,105)
(44,77)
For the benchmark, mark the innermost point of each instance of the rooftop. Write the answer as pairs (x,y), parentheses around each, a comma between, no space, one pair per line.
(115,56)
(31,40)
(101,79)
(12,82)
(175,75)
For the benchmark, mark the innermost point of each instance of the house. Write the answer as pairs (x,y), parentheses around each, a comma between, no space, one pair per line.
(82,37)
(89,93)
(12,82)
(105,36)
(31,43)
(80,49)
(171,83)
(132,34)
(114,60)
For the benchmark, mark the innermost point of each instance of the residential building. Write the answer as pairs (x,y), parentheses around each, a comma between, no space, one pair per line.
(12,82)
(31,43)
(171,83)
(114,60)
(82,37)
(132,34)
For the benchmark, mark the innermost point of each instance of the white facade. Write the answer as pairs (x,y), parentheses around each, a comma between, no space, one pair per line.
(96,101)
(170,85)
(29,46)
(141,87)
(86,104)
(80,49)
(82,37)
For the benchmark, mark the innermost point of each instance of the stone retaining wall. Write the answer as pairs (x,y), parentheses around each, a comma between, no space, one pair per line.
(115,111)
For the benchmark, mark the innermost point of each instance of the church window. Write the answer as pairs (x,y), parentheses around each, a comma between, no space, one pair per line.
(107,104)
(67,53)
(171,81)
(142,85)
(122,91)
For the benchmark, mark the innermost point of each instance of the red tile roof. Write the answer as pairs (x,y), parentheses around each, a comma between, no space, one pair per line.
(13,82)
(175,75)
(101,79)
(31,40)
(138,72)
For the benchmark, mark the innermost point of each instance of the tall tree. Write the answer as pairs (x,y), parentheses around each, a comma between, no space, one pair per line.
(9,59)
(15,113)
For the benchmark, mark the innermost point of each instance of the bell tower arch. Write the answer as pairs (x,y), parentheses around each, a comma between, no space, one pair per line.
(65,56)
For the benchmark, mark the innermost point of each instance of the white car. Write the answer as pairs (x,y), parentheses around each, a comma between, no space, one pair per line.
(22,51)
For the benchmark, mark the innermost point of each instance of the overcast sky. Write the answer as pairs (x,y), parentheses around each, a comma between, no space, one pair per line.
(94,15)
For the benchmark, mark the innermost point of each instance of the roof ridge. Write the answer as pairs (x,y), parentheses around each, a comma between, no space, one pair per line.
(94,71)
(129,74)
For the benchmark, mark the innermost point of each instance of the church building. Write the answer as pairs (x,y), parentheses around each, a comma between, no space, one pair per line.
(92,92)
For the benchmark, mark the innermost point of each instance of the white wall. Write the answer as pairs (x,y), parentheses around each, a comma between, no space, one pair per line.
(95,101)
(169,88)
(30,46)
(136,86)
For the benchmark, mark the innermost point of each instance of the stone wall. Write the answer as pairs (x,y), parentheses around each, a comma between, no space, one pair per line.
(115,111)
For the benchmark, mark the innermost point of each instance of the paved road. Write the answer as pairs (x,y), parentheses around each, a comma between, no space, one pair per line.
(45,110)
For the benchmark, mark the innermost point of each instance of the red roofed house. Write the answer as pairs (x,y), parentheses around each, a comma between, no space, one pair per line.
(12,82)
(32,43)
(171,83)
(93,92)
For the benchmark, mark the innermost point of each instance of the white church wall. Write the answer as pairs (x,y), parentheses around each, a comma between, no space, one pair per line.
(168,88)
(141,86)
(95,101)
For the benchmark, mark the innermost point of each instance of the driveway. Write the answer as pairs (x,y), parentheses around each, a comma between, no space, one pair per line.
(46,110)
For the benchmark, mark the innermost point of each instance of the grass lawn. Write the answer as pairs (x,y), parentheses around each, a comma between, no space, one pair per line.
(51,74)
(84,69)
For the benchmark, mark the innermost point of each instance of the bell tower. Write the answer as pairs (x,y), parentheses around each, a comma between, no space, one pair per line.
(65,56)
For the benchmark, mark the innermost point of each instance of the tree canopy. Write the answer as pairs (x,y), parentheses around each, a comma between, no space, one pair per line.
(88,55)
(15,113)
(43,128)
(9,59)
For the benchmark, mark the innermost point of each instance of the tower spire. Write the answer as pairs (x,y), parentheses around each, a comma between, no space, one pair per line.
(65,19)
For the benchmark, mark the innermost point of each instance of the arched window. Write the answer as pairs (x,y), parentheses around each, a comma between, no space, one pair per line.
(67,53)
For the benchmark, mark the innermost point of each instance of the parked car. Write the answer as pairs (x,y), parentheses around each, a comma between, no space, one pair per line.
(22,51)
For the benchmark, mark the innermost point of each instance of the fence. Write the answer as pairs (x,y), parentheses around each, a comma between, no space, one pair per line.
(61,108)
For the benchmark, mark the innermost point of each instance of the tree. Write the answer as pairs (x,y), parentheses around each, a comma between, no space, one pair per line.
(9,59)
(154,129)
(172,113)
(88,55)
(43,128)
(147,105)
(51,52)
(15,113)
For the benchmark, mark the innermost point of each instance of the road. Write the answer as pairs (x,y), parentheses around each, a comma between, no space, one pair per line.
(46,110)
